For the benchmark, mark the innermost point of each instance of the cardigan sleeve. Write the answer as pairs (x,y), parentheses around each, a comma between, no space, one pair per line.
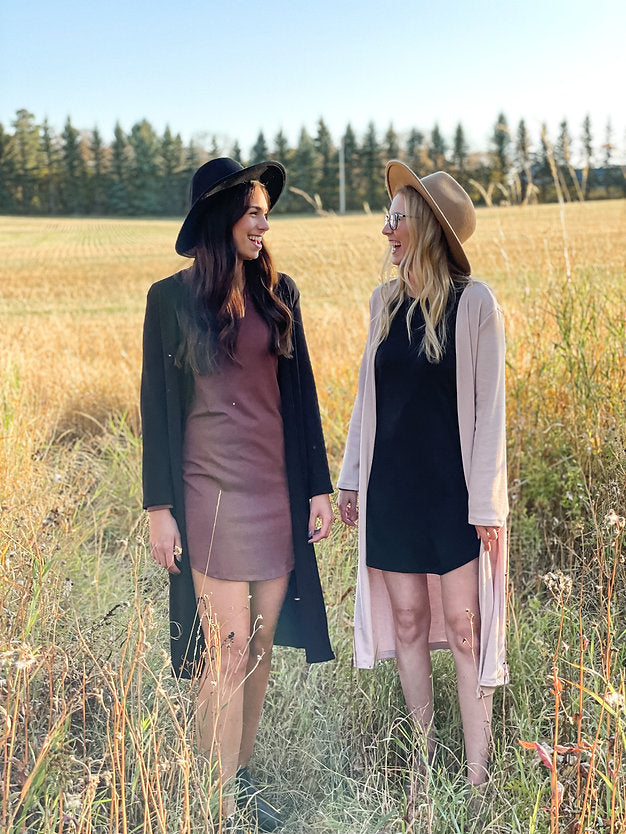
(318,479)
(488,503)
(349,475)
(157,477)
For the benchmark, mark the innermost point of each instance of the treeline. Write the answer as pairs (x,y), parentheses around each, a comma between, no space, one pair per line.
(143,173)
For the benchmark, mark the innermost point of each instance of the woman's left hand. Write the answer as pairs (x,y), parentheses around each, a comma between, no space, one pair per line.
(487,535)
(320,511)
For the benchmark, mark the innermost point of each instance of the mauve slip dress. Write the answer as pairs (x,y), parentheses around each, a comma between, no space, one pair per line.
(417,502)
(236,497)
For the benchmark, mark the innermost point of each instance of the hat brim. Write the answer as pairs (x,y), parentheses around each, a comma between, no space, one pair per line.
(397,175)
(271,174)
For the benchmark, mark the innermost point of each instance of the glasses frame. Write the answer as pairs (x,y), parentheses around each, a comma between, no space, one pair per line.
(393,219)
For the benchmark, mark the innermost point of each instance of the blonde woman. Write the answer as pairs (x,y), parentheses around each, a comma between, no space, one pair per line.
(425,458)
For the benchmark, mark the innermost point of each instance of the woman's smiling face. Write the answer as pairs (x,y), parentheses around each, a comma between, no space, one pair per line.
(248,231)
(398,238)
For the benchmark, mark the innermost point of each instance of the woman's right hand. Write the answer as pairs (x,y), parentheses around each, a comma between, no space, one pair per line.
(165,541)
(347,504)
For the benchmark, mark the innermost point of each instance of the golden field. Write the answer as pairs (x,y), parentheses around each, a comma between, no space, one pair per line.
(94,735)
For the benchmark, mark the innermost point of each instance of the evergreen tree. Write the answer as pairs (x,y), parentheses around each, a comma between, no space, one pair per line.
(351,168)
(587,148)
(27,150)
(522,158)
(73,171)
(304,172)
(414,152)
(562,154)
(281,152)
(500,140)
(392,146)
(215,152)
(459,149)
(543,163)
(192,160)
(49,173)
(119,173)
(259,152)
(372,170)
(173,185)
(437,149)
(236,153)
(97,185)
(328,167)
(608,145)
(144,184)
(7,172)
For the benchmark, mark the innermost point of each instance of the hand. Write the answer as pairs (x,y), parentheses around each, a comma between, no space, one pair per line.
(322,511)
(487,535)
(164,539)
(348,506)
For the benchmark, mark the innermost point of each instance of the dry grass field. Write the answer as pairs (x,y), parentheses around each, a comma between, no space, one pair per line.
(95,733)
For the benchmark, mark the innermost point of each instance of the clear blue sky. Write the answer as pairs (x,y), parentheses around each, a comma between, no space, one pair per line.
(232,68)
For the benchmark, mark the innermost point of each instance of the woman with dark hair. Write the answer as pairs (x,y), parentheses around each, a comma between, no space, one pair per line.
(426,460)
(235,474)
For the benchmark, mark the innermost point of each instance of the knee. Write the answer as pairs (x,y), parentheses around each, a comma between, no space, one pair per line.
(463,633)
(411,625)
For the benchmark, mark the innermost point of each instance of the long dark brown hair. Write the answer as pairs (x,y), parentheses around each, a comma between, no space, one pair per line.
(214,296)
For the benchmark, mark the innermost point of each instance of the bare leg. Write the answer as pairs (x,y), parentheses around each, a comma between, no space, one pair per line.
(224,607)
(408,593)
(265,604)
(459,591)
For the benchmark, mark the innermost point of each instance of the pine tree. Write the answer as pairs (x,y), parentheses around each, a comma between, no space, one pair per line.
(437,149)
(414,148)
(173,185)
(304,172)
(144,184)
(372,170)
(500,140)
(351,167)
(49,173)
(328,167)
(73,171)
(97,184)
(236,153)
(119,174)
(542,167)
(587,148)
(7,172)
(259,152)
(392,146)
(607,147)
(522,159)
(459,149)
(27,155)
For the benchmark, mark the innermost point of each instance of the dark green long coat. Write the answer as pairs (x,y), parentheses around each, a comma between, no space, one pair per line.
(164,391)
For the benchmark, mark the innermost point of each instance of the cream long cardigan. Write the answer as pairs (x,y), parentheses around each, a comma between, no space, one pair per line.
(481,410)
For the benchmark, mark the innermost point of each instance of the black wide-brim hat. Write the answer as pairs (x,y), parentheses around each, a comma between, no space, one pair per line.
(215,176)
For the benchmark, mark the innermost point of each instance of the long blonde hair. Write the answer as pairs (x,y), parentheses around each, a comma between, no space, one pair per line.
(426,273)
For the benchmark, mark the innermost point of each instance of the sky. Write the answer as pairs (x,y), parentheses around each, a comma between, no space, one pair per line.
(232,68)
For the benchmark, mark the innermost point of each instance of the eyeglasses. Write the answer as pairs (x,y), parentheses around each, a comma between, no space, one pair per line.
(393,220)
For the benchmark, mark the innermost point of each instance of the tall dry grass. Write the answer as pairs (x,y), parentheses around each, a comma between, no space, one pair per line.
(96,735)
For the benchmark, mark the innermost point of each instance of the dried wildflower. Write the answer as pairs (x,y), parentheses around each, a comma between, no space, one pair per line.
(615,700)
(558,584)
(612,519)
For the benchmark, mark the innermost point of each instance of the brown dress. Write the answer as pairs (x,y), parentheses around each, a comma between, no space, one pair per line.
(236,497)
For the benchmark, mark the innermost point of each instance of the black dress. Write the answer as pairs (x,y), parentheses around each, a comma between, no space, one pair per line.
(417,502)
